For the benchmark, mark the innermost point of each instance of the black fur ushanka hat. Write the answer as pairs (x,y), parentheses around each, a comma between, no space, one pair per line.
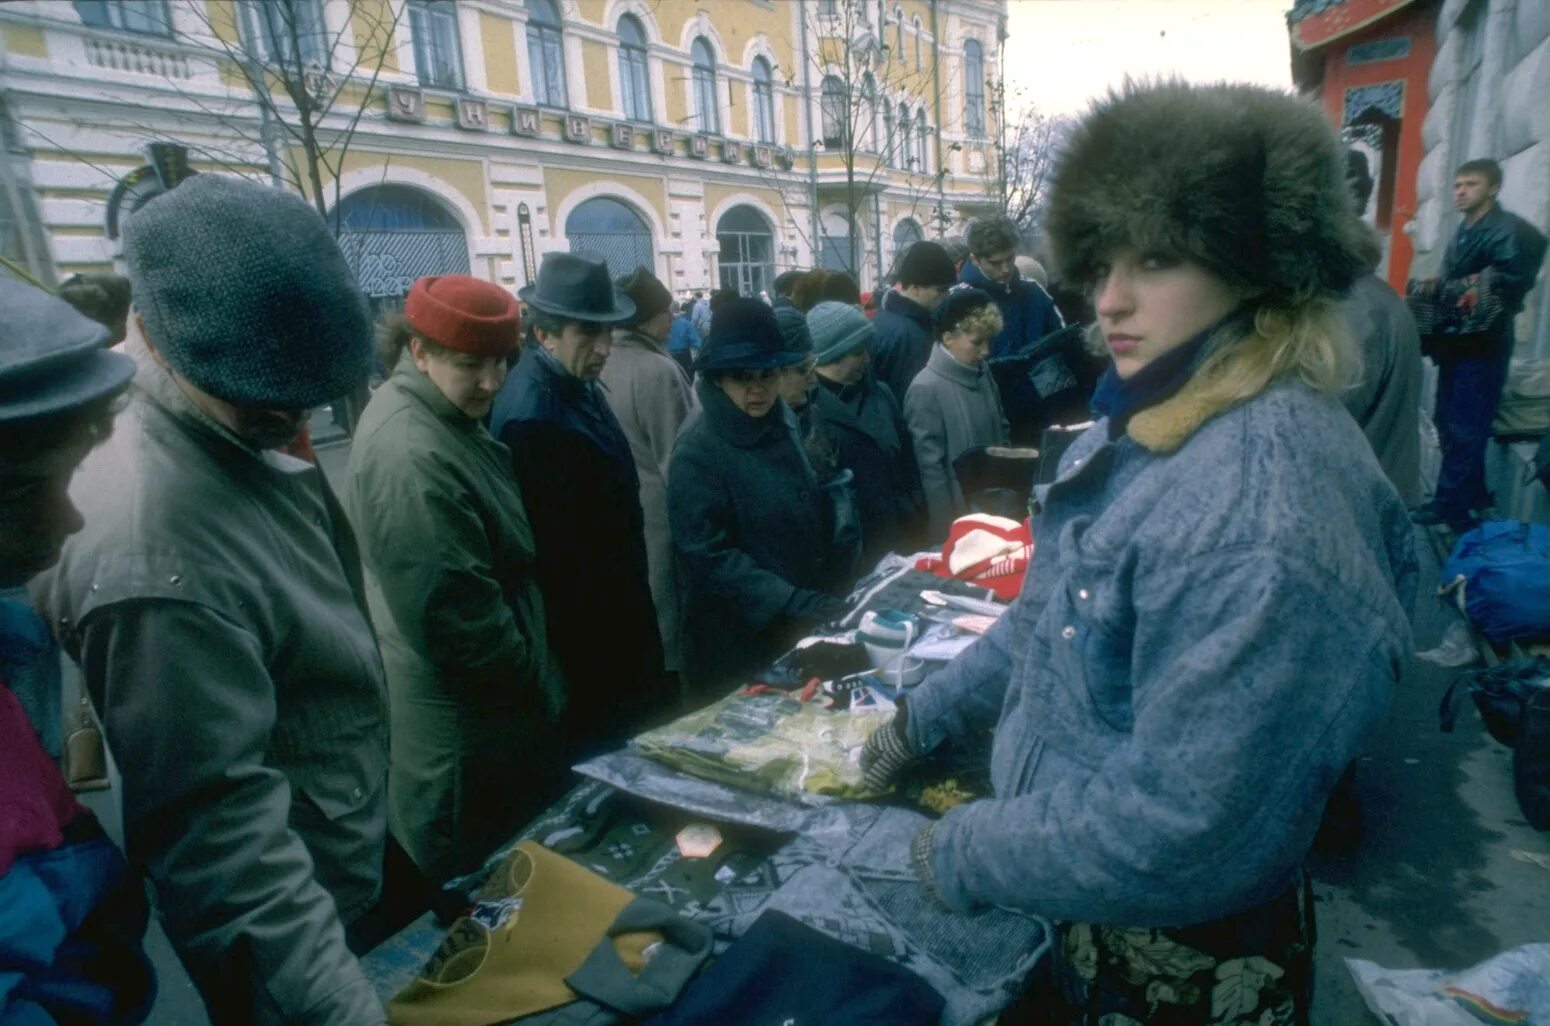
(1246,181)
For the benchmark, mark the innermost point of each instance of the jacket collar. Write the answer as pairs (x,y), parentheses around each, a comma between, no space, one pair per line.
(904,306)
(972,275)
(155,382)
(733,424)
(629,338)
(1165,427)
(946,365)
(417,385)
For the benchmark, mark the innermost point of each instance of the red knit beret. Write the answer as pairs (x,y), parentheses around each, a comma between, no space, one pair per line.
(465,314)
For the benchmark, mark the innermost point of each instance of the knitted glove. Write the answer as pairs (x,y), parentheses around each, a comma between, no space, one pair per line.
(886,752)
(920,858)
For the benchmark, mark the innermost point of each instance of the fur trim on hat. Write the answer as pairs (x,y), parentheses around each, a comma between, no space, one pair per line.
(1246,181)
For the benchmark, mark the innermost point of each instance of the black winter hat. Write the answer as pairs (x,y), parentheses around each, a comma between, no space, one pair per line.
(1246,181)
(956,305)
(927,263)
(745,336)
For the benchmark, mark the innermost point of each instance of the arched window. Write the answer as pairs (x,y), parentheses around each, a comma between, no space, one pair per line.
(611,229)
(545,53)
(634,83)
(888,145)
(763,101)
(905,138)
(835,242)
(392,234)
(974,89)
(866,136)
(747,244)
(922,134)
(898,30)
(707,113)
(905,234)
(919,64)
(832,111)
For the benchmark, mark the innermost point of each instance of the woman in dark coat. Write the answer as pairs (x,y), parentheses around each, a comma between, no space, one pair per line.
(763,543)
(863,416)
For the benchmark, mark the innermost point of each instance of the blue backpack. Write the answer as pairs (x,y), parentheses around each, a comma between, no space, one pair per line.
(1500,575)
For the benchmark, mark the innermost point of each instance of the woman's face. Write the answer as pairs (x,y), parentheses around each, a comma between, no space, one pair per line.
(1149,304)
(752,391)
(468,382)
(968,346)
(36,514)
(848,369)
(794,383)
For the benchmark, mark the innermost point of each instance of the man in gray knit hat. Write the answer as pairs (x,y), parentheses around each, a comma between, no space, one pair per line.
(213,602)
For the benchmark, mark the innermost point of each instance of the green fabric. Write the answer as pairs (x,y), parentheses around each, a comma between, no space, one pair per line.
(473,688)
(771,743)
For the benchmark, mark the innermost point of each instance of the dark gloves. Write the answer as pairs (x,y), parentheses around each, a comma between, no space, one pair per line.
(887,752)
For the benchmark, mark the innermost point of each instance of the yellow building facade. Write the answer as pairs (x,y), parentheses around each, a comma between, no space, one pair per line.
(719,142)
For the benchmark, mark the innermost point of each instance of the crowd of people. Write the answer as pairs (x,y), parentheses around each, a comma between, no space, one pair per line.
(323,709)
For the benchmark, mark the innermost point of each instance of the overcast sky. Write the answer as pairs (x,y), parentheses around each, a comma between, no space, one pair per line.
(1062,53)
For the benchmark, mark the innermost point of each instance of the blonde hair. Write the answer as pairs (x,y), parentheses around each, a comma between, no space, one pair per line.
(985,322)
(1312,342)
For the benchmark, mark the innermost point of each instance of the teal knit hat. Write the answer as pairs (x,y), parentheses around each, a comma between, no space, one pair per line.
(838,329)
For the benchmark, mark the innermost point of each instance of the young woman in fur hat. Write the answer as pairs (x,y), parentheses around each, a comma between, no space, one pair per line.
(1217,604)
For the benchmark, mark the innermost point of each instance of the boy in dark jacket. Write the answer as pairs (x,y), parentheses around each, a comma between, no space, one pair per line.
(903,320)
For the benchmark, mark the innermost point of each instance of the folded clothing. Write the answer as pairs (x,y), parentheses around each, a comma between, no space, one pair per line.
(782,970)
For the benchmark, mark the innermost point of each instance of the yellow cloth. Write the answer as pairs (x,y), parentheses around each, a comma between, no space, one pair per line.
(533,923)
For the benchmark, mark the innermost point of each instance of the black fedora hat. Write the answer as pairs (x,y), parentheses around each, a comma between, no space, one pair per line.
(577,287)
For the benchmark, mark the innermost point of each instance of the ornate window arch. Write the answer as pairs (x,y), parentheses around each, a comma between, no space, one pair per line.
(707,112)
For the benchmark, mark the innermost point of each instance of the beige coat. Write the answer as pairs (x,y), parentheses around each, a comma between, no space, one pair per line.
(214,603)
(650,395)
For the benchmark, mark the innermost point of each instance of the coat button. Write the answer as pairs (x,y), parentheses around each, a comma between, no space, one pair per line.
(176,581)
(357,792)
(1068,632)
(1083,594)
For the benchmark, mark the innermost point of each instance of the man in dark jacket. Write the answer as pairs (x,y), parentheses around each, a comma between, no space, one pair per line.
(862,416)
(582,494)
(903,321)
(1027,315)
(1471,368)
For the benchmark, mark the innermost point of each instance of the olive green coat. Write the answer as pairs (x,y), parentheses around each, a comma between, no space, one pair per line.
(473,690)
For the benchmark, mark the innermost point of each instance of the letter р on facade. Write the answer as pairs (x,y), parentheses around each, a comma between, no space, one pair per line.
(683,136)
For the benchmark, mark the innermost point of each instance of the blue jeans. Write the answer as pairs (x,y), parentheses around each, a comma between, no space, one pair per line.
(1468,389)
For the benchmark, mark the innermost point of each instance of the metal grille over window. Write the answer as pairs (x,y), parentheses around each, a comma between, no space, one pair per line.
(393,234)
(633,80)
(607,228)
(438,54)
(747,244)
(546,53)
(706,113)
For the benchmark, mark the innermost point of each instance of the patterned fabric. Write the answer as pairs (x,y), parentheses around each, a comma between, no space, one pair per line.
(846,873)
(1251,969)
(886,752)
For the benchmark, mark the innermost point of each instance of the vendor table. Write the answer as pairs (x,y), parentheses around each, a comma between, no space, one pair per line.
(841,867)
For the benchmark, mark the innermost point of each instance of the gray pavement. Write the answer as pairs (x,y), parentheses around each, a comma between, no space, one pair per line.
(1437,881)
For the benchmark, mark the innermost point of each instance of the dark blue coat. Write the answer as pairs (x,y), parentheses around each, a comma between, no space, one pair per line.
(903,341)
(874,444)
(752,529)
(1027,310)
(582,496)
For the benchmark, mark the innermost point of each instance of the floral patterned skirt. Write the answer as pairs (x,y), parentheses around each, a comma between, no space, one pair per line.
(1251,969)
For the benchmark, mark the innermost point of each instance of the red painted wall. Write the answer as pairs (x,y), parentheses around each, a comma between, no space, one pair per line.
(1417,22)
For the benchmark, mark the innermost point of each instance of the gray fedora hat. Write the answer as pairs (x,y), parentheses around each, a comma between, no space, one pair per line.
(577,287)
(54,359)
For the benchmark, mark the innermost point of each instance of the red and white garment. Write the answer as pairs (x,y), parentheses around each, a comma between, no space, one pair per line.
(993,552)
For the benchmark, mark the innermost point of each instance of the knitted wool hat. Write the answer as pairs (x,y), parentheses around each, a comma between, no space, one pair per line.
(793,329)
(465,314)
(838,329)
(1245,181)
(744,336)
(955,306)
(650,295)
(245,293)
(927,263)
